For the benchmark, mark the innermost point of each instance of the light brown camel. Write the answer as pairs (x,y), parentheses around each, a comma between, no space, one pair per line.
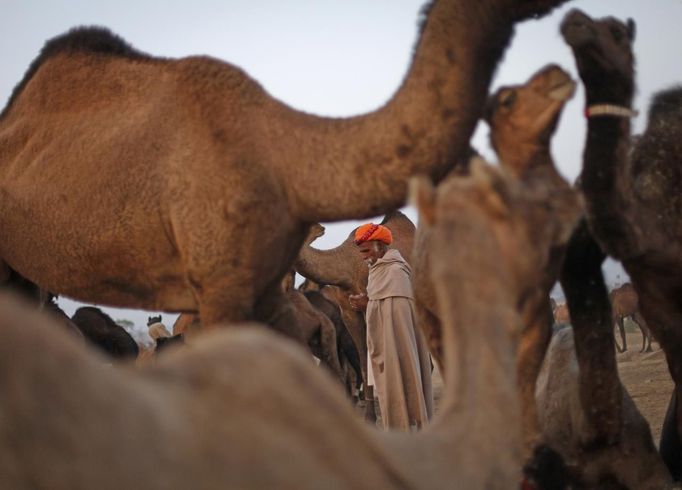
(633,462)
(633,201)
(196,152)
(625,304)
(247,428)
(522,120)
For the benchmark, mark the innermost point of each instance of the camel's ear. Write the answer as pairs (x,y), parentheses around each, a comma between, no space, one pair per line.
(422,194)
(492,187)
(631,29)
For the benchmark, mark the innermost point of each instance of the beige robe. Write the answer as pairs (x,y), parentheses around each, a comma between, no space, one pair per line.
(398,357)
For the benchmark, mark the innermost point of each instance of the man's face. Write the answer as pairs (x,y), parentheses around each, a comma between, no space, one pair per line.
(370,251)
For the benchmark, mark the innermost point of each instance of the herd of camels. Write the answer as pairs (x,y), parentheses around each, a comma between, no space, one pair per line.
(209,191)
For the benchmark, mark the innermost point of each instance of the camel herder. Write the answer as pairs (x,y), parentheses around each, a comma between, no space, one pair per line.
(398,359)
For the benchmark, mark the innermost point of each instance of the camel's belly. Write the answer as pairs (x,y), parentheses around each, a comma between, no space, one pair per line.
(75,246)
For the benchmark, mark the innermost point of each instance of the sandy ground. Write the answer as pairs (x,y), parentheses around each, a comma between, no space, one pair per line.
(645,376)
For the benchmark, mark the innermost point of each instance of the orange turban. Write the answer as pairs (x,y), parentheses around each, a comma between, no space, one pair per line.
(370,231)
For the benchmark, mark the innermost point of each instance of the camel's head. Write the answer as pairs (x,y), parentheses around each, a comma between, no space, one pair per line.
(603,53)
(523,118)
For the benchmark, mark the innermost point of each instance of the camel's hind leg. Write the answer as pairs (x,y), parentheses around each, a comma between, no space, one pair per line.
(621,328)
(646,333)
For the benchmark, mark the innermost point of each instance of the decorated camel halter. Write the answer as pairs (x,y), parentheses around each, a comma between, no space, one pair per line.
(609,110)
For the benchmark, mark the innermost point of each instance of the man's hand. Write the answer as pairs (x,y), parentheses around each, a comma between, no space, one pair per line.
(358,301)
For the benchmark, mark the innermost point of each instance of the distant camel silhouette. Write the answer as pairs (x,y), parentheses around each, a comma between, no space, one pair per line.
(625,304)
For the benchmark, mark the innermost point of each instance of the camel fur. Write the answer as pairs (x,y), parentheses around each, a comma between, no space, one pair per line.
(206,184)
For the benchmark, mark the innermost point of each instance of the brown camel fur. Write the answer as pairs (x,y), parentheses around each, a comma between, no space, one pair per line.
(625,304)
(197,152)
(314,329)
(634,462)
(347,351)
(246,418)
(522,120)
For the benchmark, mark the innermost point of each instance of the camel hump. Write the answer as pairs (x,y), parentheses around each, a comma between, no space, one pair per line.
(96,40)
(667,103)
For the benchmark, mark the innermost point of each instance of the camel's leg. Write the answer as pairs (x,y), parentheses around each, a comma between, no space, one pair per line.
(530,354)
(588,301)
(646,333)
(621,328)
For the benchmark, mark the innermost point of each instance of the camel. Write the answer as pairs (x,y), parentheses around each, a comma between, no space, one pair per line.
(252,411)
(103,333)
(625,304)
(632,200)
(313,328)
(522,120)
(632,463)
(347,351)
(196,152)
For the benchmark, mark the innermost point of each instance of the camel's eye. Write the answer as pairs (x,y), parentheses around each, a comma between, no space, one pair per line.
(507,98)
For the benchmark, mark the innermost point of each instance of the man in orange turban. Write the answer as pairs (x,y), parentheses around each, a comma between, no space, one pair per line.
(398,359)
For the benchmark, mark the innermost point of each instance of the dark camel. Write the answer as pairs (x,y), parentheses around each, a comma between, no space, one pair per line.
(206,184)
(104,334)
(249,413)
(618,452)
(625,304)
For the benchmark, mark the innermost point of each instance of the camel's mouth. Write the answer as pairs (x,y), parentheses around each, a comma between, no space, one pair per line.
(563,90)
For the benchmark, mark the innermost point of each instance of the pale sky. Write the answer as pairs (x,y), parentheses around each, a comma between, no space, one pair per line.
(336,58)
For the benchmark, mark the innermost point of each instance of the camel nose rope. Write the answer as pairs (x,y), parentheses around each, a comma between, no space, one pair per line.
(609,110)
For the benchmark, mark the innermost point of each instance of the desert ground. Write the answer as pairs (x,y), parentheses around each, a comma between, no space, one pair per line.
(645,376)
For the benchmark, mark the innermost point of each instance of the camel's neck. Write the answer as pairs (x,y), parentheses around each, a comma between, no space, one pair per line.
(527,159)
(334,266)
(604,177)
(480,413)
(359,167)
